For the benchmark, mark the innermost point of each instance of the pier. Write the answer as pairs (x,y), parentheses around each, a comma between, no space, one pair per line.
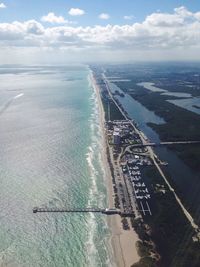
(86,210)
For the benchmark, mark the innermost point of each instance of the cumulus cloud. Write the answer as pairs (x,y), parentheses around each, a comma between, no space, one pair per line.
(183,12)
(33,27)
(2,5)
(76,12)
(178,31)
(52,18)
(104,16)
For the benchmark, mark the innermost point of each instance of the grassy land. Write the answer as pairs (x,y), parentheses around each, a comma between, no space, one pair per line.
(115,113)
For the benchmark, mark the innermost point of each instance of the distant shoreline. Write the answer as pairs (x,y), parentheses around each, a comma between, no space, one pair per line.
(123,242)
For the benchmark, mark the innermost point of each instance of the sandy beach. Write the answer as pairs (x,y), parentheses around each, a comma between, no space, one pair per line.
(123,241)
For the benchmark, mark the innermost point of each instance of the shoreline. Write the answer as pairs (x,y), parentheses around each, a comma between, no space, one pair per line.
(123,241)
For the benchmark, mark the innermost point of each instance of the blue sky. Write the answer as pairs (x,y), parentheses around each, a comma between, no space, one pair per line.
(34,9)
(89,30)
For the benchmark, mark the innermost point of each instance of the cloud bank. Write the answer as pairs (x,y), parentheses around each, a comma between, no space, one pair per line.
(162,32)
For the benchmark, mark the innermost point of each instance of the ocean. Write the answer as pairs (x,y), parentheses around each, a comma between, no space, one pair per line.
(50,156)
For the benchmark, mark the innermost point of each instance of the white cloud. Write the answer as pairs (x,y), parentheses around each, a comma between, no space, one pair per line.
(130,17)
(177,33)
(2,5)
(104,16)
(52,18)
(197,15)
(34,27)
(76,12)
(183,12)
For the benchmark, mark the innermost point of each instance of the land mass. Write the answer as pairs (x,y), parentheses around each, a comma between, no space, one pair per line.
(139,184)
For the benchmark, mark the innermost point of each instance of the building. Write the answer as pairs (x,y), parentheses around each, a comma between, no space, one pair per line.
(116,136)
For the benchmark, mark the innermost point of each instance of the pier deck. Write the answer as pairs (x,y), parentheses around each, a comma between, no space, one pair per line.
(86,210)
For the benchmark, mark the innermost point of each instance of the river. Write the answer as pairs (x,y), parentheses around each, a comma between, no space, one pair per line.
(186,180)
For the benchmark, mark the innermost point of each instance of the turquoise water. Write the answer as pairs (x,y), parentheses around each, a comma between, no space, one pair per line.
(50,157)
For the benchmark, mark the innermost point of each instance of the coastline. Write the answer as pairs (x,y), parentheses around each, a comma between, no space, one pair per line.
(123,241)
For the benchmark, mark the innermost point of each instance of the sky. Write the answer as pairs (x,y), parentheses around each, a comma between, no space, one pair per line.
(64,31)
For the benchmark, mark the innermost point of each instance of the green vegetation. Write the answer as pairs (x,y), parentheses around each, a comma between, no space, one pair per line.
(189,154)
(115,113)
(145,262)
(180,124)
(111,110)
(170,229)
(173,86)
(140,229)
(144,249)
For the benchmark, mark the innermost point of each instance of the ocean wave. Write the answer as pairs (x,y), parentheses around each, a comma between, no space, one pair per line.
(7,104)
(97,241)
(17,96)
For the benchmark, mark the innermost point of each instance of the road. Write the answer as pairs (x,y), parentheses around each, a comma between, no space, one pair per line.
(153,157)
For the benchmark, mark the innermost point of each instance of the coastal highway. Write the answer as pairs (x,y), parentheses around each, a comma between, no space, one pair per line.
(153,156)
